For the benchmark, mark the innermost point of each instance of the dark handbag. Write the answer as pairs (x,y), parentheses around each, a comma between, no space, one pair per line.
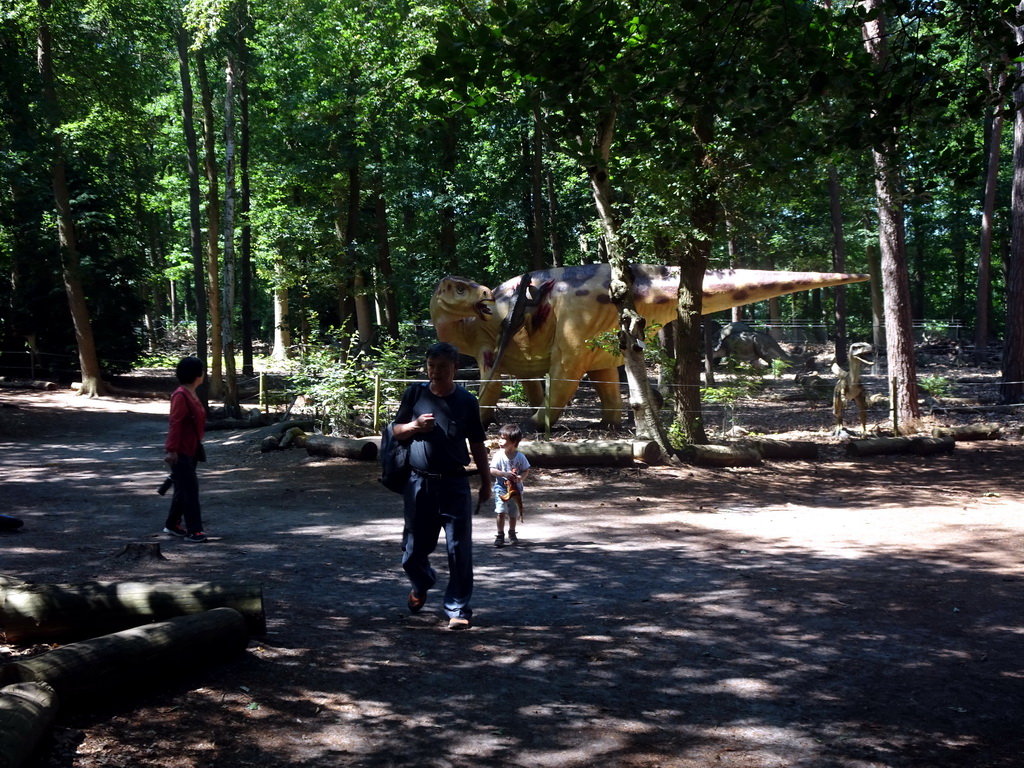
(201,452)
(395,468)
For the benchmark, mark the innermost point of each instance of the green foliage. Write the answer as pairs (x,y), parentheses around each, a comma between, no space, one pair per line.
(748,381)
(654,353)
(936,386)
(779,367)
(340,385)
(513,390)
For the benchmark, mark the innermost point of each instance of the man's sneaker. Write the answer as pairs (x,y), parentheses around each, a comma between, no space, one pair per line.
(176,531)
(458,622)
(499,540)
(512,538)
(195,537)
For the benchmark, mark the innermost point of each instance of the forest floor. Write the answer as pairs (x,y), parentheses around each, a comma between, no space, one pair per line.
(842,613)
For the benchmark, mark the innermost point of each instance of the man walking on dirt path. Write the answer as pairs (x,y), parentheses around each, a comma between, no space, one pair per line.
(440,417)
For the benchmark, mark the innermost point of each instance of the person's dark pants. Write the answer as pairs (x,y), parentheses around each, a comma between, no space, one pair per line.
(431,505)
(185,502)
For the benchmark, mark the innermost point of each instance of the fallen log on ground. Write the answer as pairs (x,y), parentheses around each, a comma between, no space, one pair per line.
(737,455)
(27,710)
(890,446)
(785,450)
(341,447)
(107,666)
(989,431)
(28,384)
(582,453)
(929,446)
(62,612)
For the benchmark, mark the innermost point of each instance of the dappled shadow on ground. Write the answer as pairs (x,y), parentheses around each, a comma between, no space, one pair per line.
(843,614)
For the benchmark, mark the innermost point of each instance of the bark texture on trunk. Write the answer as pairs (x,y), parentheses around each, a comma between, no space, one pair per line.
(1011,390)
(92,381)
(86,672)
(31,613)
(893,249)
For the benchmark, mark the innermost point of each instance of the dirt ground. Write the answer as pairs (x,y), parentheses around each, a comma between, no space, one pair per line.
(844,613)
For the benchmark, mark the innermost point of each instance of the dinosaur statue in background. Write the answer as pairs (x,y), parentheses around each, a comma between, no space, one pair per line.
(542,323)
(739,342)
(848,386)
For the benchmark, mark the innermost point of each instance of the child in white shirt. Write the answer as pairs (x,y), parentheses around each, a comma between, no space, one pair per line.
(509,468)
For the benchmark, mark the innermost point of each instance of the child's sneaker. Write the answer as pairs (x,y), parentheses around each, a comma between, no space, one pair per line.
(512,538)
(176,531)
(499,540)
(195,537)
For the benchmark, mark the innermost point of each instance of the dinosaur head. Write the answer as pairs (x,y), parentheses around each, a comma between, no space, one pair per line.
(457,298)
(862,352)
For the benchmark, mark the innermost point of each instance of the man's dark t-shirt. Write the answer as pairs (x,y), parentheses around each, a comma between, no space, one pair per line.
(457,419)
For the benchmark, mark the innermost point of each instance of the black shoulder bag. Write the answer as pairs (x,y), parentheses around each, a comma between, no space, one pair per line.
(395,468)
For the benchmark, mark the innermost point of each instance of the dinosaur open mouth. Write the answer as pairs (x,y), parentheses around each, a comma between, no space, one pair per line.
(482,307)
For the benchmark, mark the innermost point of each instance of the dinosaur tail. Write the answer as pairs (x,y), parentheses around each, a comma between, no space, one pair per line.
(726,288)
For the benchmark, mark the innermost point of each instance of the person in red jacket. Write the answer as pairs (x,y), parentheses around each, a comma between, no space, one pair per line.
(184,449)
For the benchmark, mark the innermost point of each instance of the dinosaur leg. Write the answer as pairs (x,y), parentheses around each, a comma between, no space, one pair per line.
(838,403)
(862,407)
(609,390)
(489,394)
(534,391)
(563,387)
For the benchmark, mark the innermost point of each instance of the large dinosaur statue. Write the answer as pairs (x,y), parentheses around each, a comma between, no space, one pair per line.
(551,314)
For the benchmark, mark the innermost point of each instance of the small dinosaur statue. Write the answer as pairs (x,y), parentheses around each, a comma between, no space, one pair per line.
(738,341)
(849,387)
(543,320)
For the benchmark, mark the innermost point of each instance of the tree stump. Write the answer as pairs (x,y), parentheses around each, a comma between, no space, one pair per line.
(27,710)
(141,551)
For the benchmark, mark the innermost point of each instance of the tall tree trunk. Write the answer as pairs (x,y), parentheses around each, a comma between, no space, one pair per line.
(1011,389)
(228,303)
(385,284)
(838,260)
(282,325)
(693,261)
(736,313)
(982,319)
(893,248)
(92,381)
(537,196)
(360,291)
(877,299)
(557,256)
(244,204)
(918,298)
(195,227)
(212,226)
(449,160)
(632,325)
